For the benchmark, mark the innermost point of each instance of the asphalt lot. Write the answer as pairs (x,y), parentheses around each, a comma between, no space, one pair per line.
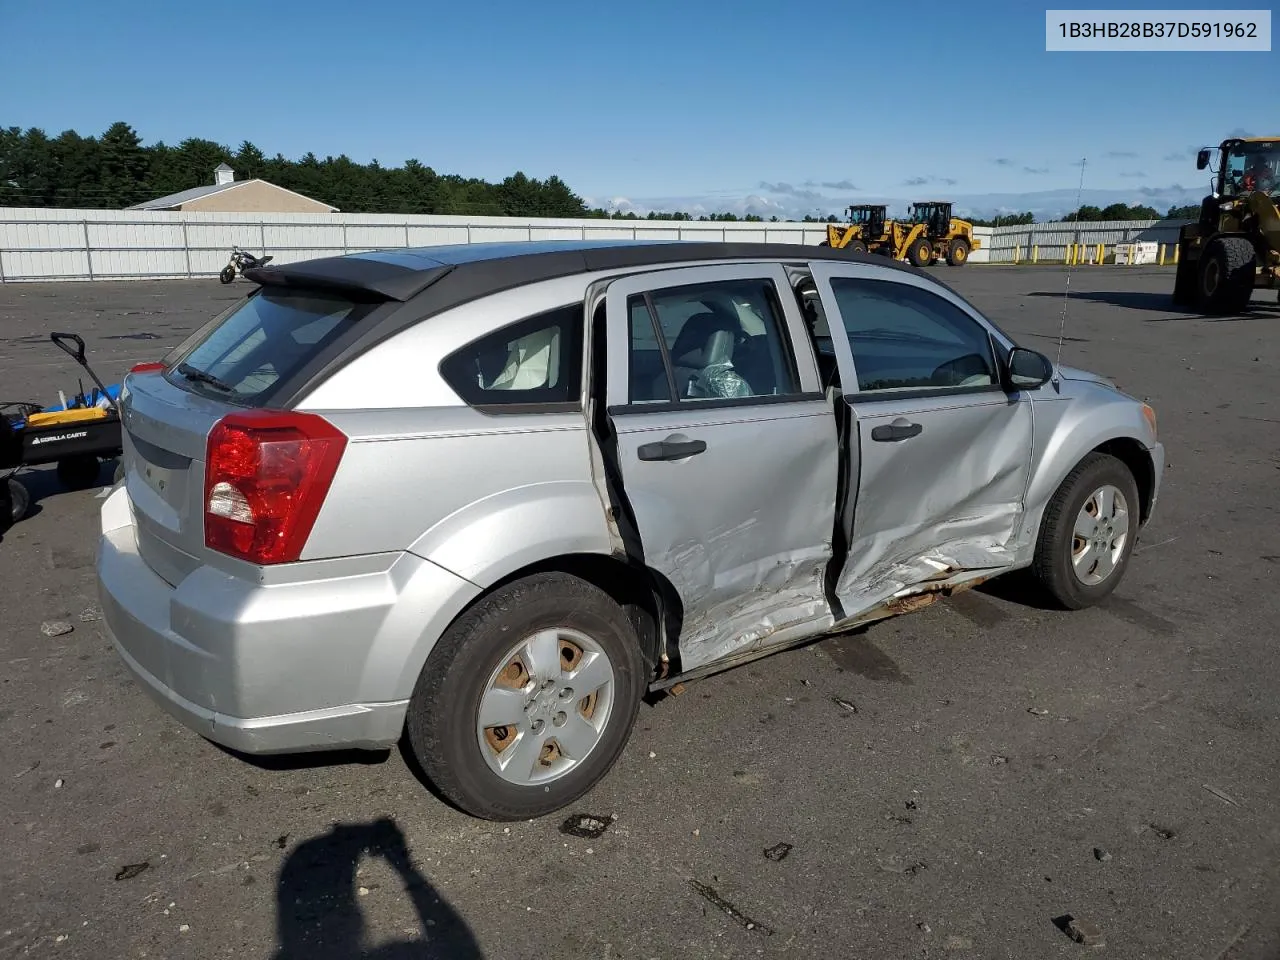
(942,818)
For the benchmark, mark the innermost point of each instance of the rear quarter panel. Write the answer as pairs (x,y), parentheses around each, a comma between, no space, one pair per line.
(480,494)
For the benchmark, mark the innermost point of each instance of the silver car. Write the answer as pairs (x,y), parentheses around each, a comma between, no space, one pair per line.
(484,497)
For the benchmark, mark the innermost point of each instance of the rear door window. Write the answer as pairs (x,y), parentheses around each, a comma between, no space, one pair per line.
(268,339)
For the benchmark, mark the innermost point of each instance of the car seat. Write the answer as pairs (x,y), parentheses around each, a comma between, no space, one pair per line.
(707,340)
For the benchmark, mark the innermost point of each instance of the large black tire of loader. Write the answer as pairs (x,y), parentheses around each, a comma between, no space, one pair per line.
(1184,282)
(958,252)
(856,246)
(1224,282)
(920,253)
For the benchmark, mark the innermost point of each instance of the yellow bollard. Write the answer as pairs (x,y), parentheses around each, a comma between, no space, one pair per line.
(1035,253)
(1101,248)
(1176,250)
(1017,252)
(1162,254)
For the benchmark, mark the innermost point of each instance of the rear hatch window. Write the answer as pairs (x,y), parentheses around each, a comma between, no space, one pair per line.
(266,340)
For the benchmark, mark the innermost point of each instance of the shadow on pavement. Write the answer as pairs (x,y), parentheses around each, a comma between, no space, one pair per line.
(308,760)
(317,914)
(1155,302)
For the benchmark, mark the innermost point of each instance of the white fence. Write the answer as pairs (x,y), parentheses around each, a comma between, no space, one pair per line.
(1051,241)
(54,244)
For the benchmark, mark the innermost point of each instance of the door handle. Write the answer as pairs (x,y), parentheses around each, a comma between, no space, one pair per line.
(671,449)
(900,429)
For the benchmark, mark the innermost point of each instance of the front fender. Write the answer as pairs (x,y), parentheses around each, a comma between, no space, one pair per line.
(1068,427)
(494,537)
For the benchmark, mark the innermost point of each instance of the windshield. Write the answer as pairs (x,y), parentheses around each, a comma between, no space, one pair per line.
(1250,167)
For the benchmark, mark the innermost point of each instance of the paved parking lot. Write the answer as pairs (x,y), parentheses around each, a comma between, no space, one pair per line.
(947,783)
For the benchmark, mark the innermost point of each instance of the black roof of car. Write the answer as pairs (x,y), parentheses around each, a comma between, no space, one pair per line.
(478,269)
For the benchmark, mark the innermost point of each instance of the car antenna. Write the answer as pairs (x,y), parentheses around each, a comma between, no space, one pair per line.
(1066,294)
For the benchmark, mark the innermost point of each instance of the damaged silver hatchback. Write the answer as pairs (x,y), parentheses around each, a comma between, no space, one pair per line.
(484,497)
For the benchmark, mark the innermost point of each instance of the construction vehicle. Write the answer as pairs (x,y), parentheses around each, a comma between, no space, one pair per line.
(868,231)
(865,227)
(948,237)
(1234,247)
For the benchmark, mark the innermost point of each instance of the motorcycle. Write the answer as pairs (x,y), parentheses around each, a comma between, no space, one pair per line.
(241,260)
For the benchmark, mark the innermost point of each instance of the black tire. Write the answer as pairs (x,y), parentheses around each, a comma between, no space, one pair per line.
(1184,281)
(958,252)
(824,243)
(228,274)
(441,720)
(920,252)
(15,501)
(856,246)
(1052,565)
(1224,282)
(79,473)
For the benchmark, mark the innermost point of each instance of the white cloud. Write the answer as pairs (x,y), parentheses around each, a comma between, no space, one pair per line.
(1045,204)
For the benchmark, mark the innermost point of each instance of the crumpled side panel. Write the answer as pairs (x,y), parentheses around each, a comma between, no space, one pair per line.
(783,594)
(950,504)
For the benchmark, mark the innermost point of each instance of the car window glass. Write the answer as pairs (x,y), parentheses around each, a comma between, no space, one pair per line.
(538,360)
(724,340)
(906,338)
(267,338)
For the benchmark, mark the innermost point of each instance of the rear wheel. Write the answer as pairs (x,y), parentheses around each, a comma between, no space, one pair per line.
(920,252)
(1088,532)
(528,699)
(1226,275)
(77,473)
(958,252)
(856,246)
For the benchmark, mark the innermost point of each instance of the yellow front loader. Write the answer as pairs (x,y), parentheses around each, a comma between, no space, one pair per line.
(1234,247)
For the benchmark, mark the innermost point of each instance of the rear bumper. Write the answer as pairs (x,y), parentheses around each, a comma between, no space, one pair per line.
(322,663)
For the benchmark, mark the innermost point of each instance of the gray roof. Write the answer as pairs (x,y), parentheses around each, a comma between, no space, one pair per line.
(183,196)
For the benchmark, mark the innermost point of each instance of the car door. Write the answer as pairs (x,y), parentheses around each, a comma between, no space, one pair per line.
(940,453)
(726,451)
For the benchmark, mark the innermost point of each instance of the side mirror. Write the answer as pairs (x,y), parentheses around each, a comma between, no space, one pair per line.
(1028,369)
(1202,159)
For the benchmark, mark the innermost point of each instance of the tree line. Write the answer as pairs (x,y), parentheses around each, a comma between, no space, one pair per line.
(116,170)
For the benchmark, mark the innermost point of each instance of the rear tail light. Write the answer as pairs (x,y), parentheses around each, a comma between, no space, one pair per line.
(266,477)
(146,367)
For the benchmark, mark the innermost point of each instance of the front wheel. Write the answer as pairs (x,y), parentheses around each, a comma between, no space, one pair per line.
(920,253)
(528,699)
(856,246)
(1226,276)
(228,274)
(1088,532)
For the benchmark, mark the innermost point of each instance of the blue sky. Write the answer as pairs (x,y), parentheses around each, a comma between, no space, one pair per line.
(744,106)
